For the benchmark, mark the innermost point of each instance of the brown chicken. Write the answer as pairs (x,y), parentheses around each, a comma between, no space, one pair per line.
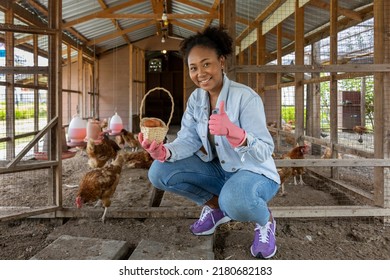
(100,184)
(99,154)
(140,159)
(328,154)
(360,130)
(126,138)
(297,153)
(103,124)
(284,174)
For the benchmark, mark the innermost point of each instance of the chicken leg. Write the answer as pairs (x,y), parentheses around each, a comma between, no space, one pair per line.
(300,180)
(104,215)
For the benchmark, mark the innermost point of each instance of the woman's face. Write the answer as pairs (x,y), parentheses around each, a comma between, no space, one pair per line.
(205,69)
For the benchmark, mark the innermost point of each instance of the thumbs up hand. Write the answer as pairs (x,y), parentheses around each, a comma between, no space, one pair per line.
(220,124)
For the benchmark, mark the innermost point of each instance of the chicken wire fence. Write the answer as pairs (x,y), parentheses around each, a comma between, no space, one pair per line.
(330,184)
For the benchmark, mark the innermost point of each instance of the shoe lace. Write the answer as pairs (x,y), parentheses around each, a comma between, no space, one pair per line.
(205,212)
(264,232)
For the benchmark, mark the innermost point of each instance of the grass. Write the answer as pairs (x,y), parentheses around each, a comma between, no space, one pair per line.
(23,111)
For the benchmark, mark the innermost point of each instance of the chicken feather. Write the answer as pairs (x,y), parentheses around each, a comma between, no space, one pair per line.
(100,184)
(286,172)
(99,154)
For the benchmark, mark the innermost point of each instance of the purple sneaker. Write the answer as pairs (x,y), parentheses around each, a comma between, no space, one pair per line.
(264,242)
(208,221)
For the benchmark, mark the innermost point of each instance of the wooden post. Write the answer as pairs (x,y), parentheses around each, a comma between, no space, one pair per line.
(55,100)
(382,103)
(299,60)
(261,53)
(229,20)
(279,54)
(333,82)
(313,118)
(10,96)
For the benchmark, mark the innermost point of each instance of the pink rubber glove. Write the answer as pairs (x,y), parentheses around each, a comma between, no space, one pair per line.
(219,124)
(156,151)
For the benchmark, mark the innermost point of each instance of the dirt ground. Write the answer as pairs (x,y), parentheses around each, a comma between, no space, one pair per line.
(297,239)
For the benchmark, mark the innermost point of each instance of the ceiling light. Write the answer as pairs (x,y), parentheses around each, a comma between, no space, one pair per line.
(164,17)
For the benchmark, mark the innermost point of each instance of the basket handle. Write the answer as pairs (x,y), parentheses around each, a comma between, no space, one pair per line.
(153,89)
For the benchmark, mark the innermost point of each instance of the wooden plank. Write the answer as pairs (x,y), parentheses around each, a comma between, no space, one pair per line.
(156,197)
(7,213)
(25,29)
(331,162)
(193,212)
(328,211)
(25,70)
(28,167)
(364,196)
(351,68)
(34,141)
(132,212)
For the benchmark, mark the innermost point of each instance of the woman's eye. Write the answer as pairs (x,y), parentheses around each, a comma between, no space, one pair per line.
(206,65)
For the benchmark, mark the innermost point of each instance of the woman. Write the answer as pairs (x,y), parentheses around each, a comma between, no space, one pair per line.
(222,156)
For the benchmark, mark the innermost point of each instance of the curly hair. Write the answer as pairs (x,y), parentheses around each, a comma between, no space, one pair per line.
(215,38)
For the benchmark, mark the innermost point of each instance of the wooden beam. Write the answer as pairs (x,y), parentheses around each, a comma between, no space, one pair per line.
(34,21)
(114,22)
(193,212)
(381,102)
(184,25)
(26,29)
(279,15)
(196,5)
(119,33)
(214,7)
(259,19)
(331,162)
(299,77)
(157,16)
(25,70)
(342,11)
(85,18)
(347,68)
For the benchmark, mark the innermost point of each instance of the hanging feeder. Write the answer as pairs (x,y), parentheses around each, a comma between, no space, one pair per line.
(93,130)
(116,124)
(77,130)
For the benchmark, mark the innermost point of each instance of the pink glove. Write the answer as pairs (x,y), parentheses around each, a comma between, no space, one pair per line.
(156,151)
(219,124)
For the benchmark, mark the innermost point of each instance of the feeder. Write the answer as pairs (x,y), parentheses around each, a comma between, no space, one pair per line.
(77,129)
(93,130)
(116,124)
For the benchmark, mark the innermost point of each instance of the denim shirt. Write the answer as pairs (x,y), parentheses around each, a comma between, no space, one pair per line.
(245,109)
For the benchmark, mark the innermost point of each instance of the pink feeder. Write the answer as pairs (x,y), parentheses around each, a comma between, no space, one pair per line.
(93,130)
(116,124)
(77,129)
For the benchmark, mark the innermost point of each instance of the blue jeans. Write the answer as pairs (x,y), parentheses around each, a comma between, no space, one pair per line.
(243,195)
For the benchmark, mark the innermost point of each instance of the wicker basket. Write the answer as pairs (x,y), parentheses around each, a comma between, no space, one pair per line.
(155,133)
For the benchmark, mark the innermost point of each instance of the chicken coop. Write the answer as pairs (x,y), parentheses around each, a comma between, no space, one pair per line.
(321,67)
